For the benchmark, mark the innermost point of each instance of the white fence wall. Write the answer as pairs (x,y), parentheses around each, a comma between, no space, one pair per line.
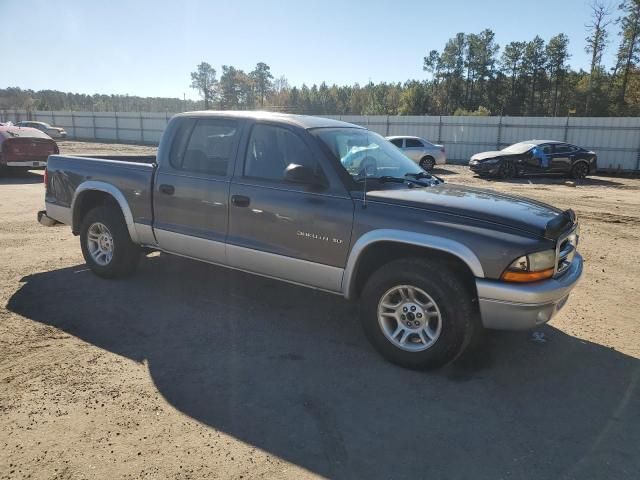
(616,140)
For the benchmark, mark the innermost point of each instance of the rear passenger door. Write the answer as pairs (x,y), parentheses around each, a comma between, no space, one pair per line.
(561,158)
(192,188)
(290,231)
(413,148)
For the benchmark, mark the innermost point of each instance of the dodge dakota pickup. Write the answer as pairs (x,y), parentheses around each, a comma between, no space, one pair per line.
(331,206)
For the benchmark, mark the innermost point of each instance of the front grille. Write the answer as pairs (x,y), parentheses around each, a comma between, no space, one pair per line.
(566,250)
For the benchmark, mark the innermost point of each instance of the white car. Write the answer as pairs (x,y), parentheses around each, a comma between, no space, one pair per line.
(53,132)
(421,151)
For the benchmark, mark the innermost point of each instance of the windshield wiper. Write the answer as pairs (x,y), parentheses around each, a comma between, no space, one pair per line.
(390,179)
(420,175)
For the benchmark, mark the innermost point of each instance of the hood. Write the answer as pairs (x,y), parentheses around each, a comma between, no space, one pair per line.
(486,155)
(521,213)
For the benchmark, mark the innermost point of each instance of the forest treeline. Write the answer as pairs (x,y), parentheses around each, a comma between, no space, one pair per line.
(470,75)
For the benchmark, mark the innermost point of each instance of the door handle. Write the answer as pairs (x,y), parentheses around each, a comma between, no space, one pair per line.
(240,200)
(167,189)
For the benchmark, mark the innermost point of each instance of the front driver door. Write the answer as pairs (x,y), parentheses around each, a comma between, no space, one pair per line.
(294,232)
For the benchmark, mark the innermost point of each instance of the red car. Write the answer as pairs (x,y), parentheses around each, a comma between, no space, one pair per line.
(24,148)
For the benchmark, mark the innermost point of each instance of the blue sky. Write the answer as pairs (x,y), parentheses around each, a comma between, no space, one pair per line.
(148,48)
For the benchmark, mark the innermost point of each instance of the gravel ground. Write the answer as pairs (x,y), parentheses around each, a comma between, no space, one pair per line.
(190,371)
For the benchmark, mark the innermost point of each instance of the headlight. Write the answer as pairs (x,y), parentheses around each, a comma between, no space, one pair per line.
(491,161)
(531,268)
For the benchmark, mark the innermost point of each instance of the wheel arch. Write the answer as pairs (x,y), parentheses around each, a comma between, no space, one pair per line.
(92,193)
(378,247)
(580,160)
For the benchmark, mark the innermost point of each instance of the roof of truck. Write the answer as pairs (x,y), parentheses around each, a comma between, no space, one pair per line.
(304,121)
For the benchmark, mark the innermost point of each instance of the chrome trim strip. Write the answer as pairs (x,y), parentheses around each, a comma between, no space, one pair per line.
(58,213)
(116,194)
(411,238)
(293,270)
(560,254)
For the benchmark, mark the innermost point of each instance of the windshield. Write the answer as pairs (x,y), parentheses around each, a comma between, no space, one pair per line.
(519,147)
(363,153)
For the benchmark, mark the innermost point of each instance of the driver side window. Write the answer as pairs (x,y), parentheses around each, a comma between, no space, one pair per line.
(271,149)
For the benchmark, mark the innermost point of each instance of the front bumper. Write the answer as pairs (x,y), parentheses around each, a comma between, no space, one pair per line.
(485,168)
(509,306)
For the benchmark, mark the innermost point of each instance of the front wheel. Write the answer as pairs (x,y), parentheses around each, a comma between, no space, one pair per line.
(106,245)
(507,170)
(418,314)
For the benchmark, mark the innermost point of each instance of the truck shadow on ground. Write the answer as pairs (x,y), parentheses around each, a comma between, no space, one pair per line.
(20,177)
(287,369)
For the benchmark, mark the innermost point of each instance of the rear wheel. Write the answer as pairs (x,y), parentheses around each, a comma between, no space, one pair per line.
(106,245)
(580,170)
(418,314)
(427,163)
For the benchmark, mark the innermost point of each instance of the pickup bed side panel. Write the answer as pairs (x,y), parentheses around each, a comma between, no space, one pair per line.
(69,177)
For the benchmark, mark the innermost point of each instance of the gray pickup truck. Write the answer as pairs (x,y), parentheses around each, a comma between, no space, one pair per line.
(331,206)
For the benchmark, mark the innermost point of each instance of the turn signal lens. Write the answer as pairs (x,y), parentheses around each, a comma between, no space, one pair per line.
(522,277)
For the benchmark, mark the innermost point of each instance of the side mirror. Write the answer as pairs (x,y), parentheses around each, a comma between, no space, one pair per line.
(295,173)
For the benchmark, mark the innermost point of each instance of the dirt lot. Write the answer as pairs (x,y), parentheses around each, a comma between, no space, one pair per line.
(190,371)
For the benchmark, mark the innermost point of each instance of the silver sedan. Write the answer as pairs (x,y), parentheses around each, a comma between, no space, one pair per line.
(53,132)
(421,151)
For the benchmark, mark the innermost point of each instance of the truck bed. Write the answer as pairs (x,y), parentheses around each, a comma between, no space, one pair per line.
(131,175)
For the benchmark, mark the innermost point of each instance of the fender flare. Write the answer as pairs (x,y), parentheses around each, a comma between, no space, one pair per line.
(93,185)
(432,242)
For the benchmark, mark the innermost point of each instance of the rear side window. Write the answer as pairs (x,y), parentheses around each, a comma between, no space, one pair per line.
(413,143)
(397,142)
(270,151)
(561,148)
(210,146)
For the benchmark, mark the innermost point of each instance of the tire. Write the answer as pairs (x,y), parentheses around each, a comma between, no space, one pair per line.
(427,163)
(507,170)
(104,229)
(452,320)
(579,170)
